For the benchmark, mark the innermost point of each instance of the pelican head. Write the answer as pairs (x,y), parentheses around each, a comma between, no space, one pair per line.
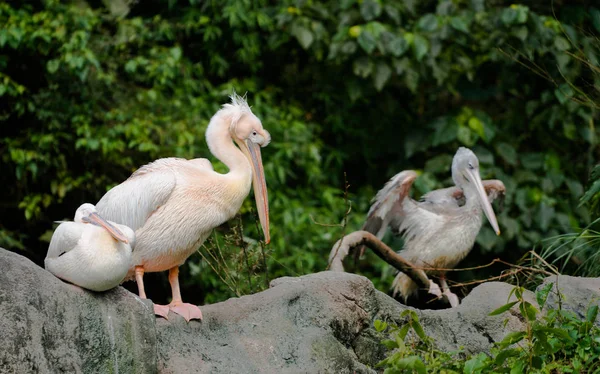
(248,133)
(465,173)
(87,213)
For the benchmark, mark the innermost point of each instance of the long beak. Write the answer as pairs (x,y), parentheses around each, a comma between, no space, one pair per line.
(260,187)
(95,219)
(485,203)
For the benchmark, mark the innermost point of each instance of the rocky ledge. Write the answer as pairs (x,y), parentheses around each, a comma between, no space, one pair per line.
(318,323)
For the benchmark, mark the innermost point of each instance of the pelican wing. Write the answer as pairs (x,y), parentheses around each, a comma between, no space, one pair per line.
(65,237)
(444,199)
(133,201)
(388,203)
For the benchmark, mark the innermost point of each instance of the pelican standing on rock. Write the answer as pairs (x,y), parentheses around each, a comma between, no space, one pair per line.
(90,252)
(440,230)
(173,204)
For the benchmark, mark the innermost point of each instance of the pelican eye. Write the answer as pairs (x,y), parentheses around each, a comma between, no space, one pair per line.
(254,132)
(471,166)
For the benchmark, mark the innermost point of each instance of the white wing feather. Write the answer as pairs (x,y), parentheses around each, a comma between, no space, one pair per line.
(65,237)
(133,201)
(387,204)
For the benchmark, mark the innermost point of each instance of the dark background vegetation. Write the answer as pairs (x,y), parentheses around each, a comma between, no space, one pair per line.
(352,92)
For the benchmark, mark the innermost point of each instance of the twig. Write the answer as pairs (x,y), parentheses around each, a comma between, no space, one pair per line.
(554,269)
(345,219)
(240,229)
(497,260)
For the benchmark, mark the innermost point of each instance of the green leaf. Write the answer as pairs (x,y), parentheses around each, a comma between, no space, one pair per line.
(541,295)
(389,344)
(503,308)
(411,363)
(370,9)
(176,53)
(556,332)
(304,36)
(362,67)
(52,66)
(521,32)
(476,363)
(561,43)
(367,41)
(428,23)
(380,325)
(419,330)
(131,66)
(563,93)
(528,310)
(590,193)
(509,16)
(420,46)
(518,368)
(466,136)
(445,130)
(393,13)
(512,338)
(397,45)
(460,24)
(592,313)
(403,331)
(506,353)
(507,152)
(382,74)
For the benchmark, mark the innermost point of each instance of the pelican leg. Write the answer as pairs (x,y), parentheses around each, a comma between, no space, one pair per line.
(452,298)
(159,310)
(187,311)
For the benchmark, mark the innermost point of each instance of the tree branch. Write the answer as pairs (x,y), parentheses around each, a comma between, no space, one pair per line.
(343,246)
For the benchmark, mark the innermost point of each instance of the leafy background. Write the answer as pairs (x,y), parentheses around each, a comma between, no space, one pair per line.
(352,92)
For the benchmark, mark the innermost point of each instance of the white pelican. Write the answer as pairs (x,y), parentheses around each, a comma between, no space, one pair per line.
(440,230)
(173,204)
(90,252)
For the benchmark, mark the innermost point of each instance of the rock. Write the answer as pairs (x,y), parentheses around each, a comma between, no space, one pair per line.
(315,323)
(577,294)
(49,326)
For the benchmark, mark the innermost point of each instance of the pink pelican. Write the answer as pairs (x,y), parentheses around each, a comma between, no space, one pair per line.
(440,230)
(90,252)
(173,204)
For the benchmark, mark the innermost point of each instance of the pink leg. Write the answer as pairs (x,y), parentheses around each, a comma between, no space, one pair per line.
(159,310)
(452,298)
(187,311)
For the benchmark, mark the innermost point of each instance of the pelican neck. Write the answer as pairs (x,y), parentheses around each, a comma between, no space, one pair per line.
(221,145)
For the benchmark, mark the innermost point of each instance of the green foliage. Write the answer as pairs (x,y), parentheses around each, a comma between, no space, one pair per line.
(91,92)
(556,341)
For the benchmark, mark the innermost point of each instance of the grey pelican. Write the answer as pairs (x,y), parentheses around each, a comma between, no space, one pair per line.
(90,252)
(173,204)
(440,230)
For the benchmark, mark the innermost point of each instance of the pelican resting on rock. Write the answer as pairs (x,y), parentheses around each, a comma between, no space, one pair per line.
(90,252)
(440,230)
(173,204)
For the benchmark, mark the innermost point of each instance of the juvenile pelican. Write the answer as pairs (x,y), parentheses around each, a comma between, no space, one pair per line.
(440,230)
(90,252)
(173,204)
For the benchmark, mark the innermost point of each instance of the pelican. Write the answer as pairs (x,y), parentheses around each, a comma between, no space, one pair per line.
(90,252)
(440,230)
(173,204)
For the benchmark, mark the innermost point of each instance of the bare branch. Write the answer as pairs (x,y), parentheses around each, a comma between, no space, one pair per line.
(342,247)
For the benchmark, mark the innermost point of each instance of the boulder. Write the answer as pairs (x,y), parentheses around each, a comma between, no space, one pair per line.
(49,326)
(314,323)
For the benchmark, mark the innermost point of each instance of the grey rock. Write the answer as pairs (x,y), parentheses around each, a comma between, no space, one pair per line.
(49,326)
(318,323)
(576,294)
